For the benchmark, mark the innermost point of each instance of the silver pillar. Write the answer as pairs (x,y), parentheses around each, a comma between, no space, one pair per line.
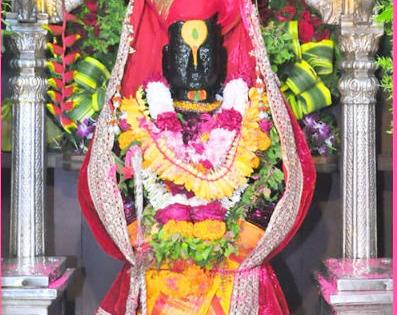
(358,86)
(25,10)
(31,282)
(29,87)
(359,283)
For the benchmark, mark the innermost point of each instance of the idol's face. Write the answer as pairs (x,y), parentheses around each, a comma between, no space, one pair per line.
(194,61)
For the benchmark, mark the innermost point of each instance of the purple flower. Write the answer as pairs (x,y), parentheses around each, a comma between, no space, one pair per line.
(84,130)
(191,128)
(323,130)
(129,210)
(316,139)
(323,150)
(311,120)
(178,189)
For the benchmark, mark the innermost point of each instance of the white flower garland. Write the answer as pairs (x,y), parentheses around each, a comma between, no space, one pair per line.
(235,96)
(159,99)
(159,197)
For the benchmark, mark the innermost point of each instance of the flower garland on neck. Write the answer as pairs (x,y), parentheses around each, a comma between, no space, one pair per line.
(195,167)
(210,156)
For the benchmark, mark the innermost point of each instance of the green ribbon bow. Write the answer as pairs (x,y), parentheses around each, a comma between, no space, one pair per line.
(304,88)
(90,79)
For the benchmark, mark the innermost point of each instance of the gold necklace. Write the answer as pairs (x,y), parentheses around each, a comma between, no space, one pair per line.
(196,107)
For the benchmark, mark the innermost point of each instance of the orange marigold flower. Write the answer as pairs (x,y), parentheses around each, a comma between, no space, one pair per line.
(183,228)
(209,230)
(255,162)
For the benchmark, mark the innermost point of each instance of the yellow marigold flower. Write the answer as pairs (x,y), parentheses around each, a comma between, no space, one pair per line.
(183,228)
(209,230)
(128,104)
(250,137)
(255,162)
(125,139)
(264,141)
(253,95)
(135,111)
(264,98)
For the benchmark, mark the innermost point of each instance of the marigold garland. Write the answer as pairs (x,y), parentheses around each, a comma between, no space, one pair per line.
(210,230)
(182,228)
(207,185)
(238,134)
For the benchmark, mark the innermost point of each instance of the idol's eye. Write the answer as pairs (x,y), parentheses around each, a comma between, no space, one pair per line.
(194,33)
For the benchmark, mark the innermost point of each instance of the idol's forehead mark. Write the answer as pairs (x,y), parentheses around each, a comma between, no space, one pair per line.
(194,33)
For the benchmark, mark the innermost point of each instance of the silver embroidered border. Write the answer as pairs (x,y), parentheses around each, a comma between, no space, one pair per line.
(101,311)
(138,200)
(103,189)
(246,287)
(109,205)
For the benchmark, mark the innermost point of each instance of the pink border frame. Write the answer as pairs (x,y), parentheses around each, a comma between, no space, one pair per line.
(1,205)
(394,157)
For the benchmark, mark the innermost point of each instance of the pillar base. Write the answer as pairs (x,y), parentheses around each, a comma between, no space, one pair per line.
(356,286)
(34,286)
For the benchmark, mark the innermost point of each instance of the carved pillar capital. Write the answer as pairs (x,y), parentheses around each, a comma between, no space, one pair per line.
(25,10)
(29,87)
(359,44)
(330,10)
(334,11)
(54,8)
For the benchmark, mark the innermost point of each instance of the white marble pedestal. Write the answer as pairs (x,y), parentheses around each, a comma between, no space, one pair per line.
(356,286)
(34,286)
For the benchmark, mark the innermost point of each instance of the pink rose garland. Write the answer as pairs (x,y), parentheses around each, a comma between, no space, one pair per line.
(179,212)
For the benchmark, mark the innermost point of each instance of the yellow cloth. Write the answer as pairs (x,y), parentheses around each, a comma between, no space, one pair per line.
(190,290)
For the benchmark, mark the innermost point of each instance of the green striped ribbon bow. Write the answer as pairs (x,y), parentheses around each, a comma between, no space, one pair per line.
(90,79)
(304,88)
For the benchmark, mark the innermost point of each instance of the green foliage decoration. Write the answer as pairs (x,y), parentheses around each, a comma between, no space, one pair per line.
(384,58)
(103,46)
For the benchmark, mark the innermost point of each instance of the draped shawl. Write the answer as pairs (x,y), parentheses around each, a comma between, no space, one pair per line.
(144,34)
